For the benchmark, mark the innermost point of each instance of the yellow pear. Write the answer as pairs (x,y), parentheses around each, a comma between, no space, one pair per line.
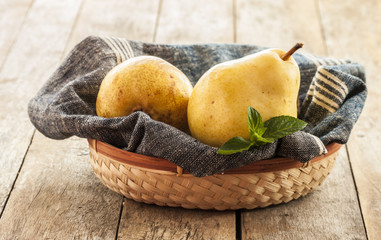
(149,84)
(268,80)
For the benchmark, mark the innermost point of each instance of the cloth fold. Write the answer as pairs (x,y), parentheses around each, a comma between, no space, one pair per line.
(332,95)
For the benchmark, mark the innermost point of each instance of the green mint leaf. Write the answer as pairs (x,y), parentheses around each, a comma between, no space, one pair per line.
(261,131)
(254,120)
(234,145)
(258,140)
(281,126)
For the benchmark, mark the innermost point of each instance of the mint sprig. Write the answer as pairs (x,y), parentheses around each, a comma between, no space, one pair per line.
(262,133)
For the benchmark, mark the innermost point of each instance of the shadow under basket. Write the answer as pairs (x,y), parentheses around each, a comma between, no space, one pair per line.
(158,181)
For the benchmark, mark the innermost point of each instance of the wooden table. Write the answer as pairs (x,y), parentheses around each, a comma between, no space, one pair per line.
(47,187)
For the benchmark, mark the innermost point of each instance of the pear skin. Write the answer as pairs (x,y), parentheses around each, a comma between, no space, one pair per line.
(149,84)
(217,108)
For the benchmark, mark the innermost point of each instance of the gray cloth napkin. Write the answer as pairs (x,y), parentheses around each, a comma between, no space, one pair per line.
(332,95)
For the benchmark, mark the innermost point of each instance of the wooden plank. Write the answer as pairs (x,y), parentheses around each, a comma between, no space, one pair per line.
(12,16)
(57,192)
(195,21)
(57,196)
(280,24)
(133,20)
(142,221)
(32,58)
(329,212)
(353,31)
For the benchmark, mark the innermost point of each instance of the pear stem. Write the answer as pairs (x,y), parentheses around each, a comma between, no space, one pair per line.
(288,54)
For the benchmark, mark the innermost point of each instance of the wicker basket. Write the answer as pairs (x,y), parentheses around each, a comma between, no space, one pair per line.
(158,181)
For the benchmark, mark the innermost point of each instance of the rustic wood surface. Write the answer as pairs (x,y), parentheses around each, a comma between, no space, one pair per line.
(35,51)
(47,187)
(359,39)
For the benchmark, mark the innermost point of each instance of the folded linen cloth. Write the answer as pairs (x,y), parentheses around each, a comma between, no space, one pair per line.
(332,94)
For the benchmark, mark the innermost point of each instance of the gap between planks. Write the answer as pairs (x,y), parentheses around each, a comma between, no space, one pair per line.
(357,192)
(321,27)
(16,35)
(1,66)
(238,217)
(120,217)
(157,20)
(323,34)
(67,45)
(17,175)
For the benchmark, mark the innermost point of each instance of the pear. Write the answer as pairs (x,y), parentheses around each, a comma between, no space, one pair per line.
(268,80)
(149,84)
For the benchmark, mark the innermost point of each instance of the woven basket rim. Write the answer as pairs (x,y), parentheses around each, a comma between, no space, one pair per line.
(160,164)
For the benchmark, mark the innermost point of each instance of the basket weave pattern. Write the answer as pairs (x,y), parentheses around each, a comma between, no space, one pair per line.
(220,191)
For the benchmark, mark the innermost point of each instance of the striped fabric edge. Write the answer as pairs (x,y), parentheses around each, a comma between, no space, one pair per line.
(327,90)
(121,47)
(322,148)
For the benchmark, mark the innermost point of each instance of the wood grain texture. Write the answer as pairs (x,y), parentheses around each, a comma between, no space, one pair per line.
(133,20)
(353,31)
(142,221)
(329,212)
(13,14)
(57,196)
(279,24)
(57,190)
(195,21)
(34,55)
